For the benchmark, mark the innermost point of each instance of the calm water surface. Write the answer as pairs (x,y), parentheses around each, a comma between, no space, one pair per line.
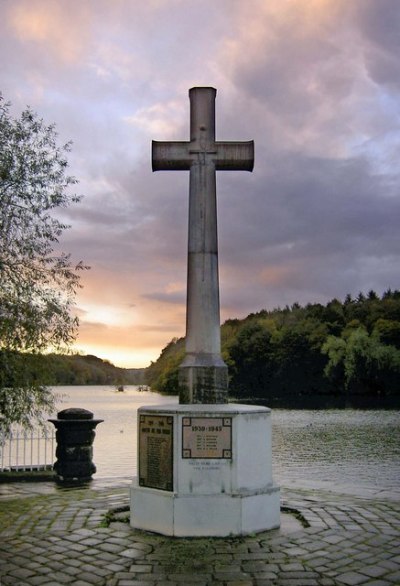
(335,449)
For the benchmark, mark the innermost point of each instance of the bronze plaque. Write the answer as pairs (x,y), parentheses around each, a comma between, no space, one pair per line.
(207,437)
(155,451)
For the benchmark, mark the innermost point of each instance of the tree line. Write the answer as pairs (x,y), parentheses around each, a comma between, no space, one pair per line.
(340,353)
(63,369)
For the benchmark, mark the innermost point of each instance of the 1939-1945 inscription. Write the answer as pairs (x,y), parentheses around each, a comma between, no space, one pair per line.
(155,451)
(207,437)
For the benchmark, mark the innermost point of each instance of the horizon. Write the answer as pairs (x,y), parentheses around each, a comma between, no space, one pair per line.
(277,309)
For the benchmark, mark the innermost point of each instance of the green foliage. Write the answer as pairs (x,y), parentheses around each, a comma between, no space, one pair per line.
(361,363)
(24,396)
(76,369)
(340,349)
(19,370)
(162,375)
(37,283)
(251,358)
(388,331)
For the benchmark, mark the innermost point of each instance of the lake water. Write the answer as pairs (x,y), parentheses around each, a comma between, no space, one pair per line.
(347,450)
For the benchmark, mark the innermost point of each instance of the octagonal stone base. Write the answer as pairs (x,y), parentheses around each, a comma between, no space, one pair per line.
(229,493)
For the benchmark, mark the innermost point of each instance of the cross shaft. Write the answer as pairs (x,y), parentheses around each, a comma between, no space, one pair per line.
(203,373)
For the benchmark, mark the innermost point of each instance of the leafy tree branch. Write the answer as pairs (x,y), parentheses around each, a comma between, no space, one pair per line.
(38,284)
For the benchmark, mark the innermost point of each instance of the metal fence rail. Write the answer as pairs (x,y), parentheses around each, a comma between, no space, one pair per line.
(23,450)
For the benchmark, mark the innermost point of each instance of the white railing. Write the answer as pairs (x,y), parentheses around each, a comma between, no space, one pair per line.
(23,450)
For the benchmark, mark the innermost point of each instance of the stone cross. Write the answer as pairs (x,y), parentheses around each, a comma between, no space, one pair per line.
(203,375)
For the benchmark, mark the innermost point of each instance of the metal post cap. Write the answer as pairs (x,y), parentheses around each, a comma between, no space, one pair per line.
(75,413)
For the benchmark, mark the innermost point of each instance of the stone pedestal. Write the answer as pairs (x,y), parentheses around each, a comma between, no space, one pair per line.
(204,470)
(203,378)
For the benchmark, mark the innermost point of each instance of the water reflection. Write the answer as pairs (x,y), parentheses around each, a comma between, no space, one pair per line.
(332,449)
(339,448)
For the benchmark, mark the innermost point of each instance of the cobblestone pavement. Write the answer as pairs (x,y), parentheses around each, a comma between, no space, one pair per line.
(52,536)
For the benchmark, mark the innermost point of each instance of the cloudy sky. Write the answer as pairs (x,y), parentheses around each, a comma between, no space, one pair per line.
(315,83)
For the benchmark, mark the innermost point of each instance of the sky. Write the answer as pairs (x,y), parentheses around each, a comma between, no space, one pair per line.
(316,85)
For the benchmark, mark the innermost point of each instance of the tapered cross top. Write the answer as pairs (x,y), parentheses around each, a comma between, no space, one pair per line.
(180,156)
(203,373)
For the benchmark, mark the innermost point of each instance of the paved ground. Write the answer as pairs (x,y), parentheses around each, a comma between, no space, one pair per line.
(52,536)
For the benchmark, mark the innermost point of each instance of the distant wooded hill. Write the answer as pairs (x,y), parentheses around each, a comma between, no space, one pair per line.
(77,369)
(335,354)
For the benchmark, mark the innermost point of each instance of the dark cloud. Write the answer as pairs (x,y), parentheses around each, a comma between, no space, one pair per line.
(379,22)
(309,227)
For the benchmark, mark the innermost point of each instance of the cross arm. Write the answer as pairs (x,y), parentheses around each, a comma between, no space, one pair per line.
(170,156)
(235,156)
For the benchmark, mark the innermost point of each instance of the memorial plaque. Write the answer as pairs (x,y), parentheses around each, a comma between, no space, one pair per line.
(207,437)
(155,451)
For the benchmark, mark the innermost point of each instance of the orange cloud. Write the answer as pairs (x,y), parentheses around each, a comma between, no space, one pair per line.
(129,347)
(275,275)
(52,24)
(120,323)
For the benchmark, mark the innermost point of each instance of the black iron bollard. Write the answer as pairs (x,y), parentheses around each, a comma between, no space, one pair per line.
(75,434)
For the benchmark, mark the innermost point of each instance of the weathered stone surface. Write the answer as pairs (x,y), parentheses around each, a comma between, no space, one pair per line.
(204,369)
(203,384)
